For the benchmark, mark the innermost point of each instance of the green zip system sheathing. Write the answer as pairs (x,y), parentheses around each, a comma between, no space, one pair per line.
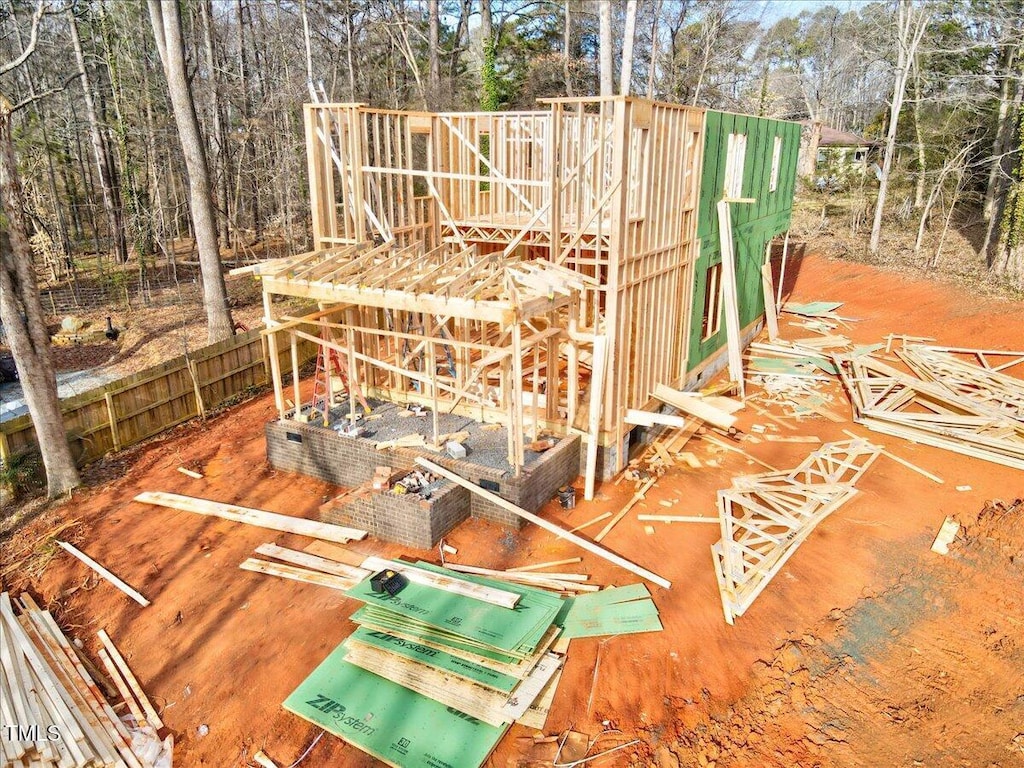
(754,224)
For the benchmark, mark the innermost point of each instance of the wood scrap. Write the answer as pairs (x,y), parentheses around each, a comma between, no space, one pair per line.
(695,406)
(677,518)
(152,717)
(415,440)
(542,566)
(592,521)
(104,573)
(638,496)
(190,473)
(305,575)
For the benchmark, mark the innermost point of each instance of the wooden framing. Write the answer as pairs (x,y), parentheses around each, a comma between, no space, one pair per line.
(530,268)
(893,403)
(764,518)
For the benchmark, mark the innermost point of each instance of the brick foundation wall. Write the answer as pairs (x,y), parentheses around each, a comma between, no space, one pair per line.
(349,461)
(405,519)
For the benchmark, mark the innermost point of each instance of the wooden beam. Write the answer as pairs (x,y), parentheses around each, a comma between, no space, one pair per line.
(257,517)
(548,526)
(730,297)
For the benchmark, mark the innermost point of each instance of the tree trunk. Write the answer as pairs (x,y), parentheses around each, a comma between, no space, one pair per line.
(306,41)
(434,13)
(166,20)
(1009,88)
(910,26)
(605,42)
(25,325)
(1009,257)
(1001,170)
(922,159)
(218,148)
(111,199)
(626,75)
(566,46)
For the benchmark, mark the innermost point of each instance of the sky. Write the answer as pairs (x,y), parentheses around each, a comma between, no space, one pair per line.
(773,10)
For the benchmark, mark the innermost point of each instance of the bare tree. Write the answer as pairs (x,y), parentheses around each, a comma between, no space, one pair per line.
(104,166)
(166,20)
(626,75)
(434,13)
(25,325)
(604,9)
(911,22)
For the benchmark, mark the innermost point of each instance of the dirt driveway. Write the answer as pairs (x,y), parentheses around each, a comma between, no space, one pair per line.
(867,649)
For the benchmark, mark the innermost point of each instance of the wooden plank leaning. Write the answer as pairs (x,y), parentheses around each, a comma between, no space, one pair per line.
(590,546)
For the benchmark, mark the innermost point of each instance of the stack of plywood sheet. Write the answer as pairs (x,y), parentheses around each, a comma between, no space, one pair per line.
(434,677)
(53,712)
(764,518)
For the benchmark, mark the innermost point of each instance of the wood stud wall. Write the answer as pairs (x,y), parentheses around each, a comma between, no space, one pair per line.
(605,187)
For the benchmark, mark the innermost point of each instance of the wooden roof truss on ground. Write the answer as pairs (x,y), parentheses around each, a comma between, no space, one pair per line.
(888,401)
(764,518)
(604,189)
(989,388)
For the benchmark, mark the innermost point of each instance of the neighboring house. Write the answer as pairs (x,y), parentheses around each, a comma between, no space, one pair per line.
(828,153)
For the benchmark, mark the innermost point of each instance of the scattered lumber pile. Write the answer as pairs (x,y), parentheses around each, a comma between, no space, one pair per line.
(894,403)
(52,710)
(764,518)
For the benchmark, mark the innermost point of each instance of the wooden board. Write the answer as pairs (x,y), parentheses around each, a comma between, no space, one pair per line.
(257,517)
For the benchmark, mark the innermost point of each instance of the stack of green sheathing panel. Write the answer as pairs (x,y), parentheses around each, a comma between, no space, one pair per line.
(392,723)
(432,678)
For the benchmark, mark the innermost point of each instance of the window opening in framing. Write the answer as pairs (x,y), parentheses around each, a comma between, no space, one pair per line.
(734,159)
(776,164)
(712,302)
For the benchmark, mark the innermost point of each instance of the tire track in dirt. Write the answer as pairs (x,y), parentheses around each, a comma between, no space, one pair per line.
(928,673)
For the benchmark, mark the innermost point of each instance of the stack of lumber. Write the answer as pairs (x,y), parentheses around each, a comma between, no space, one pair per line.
(764,518)
(970,418)
(51,708)
(443,674)
(535,576)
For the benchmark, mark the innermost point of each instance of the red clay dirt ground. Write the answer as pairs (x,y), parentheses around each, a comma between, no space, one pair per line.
(866,649)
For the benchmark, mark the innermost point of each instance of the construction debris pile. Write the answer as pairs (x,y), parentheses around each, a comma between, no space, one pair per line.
(52,709)
(955,405)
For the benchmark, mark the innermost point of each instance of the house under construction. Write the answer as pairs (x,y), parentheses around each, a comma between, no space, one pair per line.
(542,270)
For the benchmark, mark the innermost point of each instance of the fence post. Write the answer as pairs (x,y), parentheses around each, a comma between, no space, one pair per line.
(193,371)
(112,416)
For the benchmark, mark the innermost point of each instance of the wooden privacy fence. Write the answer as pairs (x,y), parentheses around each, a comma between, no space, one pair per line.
(129,410)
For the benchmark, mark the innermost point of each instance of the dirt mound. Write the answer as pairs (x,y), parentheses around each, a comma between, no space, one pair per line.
(928,673)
